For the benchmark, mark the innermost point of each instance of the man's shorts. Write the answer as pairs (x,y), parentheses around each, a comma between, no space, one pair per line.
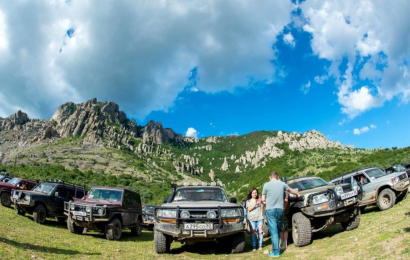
(285,223)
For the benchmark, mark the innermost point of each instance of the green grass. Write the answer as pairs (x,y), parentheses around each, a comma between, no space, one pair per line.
(381,235)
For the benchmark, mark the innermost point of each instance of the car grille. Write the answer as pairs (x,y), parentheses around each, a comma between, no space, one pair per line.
(402,177)
(347,189)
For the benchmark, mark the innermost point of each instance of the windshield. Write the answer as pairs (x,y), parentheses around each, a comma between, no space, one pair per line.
(14,181)
(199,194)
(148,209)
(375,173)
(399,168)
(46,188)
(102,194)
(306,183)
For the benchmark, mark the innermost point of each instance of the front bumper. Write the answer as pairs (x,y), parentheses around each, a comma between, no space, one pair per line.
(84,218)
(331,208)
(218,230)
(402,185)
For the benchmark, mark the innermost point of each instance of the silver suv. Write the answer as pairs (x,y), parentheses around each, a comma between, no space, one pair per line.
(198,214)
(379,187)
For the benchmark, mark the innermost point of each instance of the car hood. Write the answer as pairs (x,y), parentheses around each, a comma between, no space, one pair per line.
(29,192)
(199,204)
(390,176)
(318,189)
(7,185)
(92,202)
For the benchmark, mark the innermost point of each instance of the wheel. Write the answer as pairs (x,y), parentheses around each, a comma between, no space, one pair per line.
(73,227)
(386,199)
(352,223)
(19,212)
(301,230)
(40,214)
(137,230)
(113,229)
(402,197)
(5,199)
(162,244)
(238,243)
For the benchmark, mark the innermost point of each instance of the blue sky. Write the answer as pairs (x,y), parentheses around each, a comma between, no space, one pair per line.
(217,67)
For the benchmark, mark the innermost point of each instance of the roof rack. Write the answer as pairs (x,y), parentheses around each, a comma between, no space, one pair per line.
(195,183)
(63,182)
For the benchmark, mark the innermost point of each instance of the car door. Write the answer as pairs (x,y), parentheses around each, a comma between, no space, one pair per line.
(59,199)
(370,189)
(127,209)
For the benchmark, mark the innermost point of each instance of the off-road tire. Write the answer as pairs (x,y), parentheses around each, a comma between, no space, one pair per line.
(5,199)
(73,227)
(402,197)
(386,199)
(18,212)
(137,230)
(40,214)
(113,230)
(162,244)
(301,230)
(352,223)
(238,243)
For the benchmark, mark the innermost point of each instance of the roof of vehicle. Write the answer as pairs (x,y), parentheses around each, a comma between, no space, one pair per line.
(352,173)
(112,188)
(199,187)
(302,177)
(61,182)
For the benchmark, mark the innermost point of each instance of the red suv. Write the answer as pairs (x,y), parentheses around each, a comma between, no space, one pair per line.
(13,184)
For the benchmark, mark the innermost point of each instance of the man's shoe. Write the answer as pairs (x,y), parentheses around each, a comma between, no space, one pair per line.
(260,248)
(253,249)
(273,255)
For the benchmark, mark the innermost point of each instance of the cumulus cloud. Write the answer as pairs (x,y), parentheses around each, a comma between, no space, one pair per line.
(306,87)
(372,35)
(363,130)
(191,132)
(137,53)
(289,39)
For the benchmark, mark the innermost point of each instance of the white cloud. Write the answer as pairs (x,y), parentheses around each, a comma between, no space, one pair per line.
(289,39)
(376,30)
(363,130)
(137,53)
(191,132)
(306,87)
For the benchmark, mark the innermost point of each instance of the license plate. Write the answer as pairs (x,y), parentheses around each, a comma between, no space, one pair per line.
(349,202)
(348,194)
(197,226)
(79,213)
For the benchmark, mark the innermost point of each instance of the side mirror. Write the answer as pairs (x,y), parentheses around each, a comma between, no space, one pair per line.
(165,200)
(232,200)
(56,194)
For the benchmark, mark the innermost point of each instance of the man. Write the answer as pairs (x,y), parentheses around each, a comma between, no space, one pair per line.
(273,195)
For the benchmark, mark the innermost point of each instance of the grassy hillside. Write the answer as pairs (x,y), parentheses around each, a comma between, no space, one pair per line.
(381,235)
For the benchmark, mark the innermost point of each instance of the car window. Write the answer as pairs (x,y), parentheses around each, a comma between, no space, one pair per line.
(375,173)
(347,180)
(199,194)
(14,181)
(306,183)
(45,188)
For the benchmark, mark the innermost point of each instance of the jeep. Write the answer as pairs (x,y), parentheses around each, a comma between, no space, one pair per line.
(198,214)
(14,184)
(379,187)
(148,216)
(106,209)
(320,205)
(46,200)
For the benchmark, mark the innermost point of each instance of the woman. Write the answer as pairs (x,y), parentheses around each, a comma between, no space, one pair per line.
(254,206)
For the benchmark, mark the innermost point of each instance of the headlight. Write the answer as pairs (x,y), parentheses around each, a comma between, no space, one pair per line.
(226,213)
(100,211)
(321,198)
(72,207)
(211,214)
(88,209)
(339,190)
(166,213)
(185,214)
(395,180)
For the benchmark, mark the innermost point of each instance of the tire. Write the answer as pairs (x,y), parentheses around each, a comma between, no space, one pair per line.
(162,244)
(5,199)
(137,230)
(18,212)
(73,227)
(113,229)
(352,223)
(40,214)
(238,243)
(402,196)
(386,199)
(301,230)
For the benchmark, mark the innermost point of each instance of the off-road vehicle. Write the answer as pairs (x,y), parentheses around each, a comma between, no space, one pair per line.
(14,184)
(321,204)
(106,209)
(396,168)
(379,187)
(46,200)
(148,216)
(5,177)
(198,214)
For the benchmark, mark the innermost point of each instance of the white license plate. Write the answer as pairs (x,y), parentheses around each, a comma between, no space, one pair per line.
(79,213)
(196,226)
(348,194)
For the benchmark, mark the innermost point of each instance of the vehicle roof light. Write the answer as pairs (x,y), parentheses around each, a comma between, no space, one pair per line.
(186,184)
(213,183)
(204,183)
(195,183)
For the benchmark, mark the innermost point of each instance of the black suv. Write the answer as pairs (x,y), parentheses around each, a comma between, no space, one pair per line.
(46,200)
(106,209)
